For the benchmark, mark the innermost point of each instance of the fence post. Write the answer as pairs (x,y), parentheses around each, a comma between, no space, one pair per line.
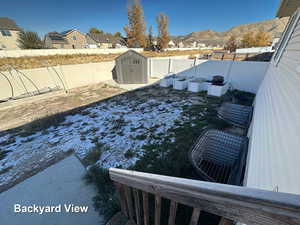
(170,65)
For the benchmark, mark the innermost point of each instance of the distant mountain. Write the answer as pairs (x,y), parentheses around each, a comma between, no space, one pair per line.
(273,26)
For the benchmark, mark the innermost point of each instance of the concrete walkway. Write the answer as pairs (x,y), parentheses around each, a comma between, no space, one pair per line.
(59,185)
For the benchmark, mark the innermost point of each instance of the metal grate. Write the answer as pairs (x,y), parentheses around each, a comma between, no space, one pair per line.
(218,156)
(238,115)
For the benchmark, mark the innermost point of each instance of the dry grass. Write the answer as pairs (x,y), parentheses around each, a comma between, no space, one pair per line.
(54,60)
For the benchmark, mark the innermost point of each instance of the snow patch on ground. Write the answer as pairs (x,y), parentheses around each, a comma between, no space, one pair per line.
(123,123)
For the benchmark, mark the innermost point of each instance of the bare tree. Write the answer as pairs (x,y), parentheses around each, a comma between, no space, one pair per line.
(258,39)
(136,27)
(163,31)
(262,39)
(29,40)
(248,40)
(231,44)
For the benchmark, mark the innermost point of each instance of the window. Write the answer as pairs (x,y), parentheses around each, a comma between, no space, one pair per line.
(286,37)
(74,38)
(5,33)
(62,45)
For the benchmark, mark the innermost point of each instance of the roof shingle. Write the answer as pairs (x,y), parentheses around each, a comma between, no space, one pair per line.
(8,24)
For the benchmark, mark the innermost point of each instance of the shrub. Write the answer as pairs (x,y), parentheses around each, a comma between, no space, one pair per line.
(106,201)
(94,155)
(3,153)
(129,154)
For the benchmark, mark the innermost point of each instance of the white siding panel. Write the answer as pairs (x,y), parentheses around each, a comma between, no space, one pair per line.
(274,153)
(275,142)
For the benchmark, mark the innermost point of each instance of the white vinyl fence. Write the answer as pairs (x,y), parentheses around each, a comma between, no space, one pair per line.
(243,75)
(255,49)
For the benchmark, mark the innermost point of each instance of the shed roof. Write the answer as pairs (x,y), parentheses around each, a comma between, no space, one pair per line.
(130,52)
(287,8)
(8,24)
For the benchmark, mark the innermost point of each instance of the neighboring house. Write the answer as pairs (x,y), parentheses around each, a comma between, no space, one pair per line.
(171,44)
(69,39)
(201,45)
(75,38)
(56,40)
(180,44)
(100,40)
(9,34)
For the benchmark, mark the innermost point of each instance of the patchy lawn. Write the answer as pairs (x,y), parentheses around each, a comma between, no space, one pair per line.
(149,129)
(118,128)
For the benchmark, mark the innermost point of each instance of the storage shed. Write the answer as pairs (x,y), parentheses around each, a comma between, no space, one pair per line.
(131,68)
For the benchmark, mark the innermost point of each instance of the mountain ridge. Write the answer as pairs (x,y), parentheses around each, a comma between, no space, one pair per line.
(210,37)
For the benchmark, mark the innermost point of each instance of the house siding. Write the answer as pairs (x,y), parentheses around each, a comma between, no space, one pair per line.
(10,42)
(274,150)
(91,41)
(56,45)
(80,41)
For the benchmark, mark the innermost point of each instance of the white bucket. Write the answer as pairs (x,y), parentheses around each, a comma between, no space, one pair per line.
(180,84)
(217,91)
(194,86)
(166,82)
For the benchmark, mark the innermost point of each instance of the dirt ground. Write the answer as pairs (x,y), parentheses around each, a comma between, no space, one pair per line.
(54,60)
(19,112)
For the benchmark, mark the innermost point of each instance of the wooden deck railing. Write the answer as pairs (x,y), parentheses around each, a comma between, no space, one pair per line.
(245,205)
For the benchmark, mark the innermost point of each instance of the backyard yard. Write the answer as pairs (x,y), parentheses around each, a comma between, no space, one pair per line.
(149,129)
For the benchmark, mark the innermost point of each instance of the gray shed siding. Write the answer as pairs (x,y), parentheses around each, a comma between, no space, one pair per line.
(131,68)
(274,151)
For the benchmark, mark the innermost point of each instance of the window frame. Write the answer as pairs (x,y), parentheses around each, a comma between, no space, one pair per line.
(285,38)
(5,33)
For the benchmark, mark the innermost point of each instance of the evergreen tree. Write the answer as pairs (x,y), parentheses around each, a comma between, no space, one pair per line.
(117,34)
(150,38)
(94,30)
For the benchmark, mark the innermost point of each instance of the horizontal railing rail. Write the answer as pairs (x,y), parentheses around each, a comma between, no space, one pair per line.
(241,204)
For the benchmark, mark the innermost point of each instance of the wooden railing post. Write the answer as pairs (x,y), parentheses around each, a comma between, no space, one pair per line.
(234,203)
(122,197)
(157,209)
(172,213)
(137,206)
(195,216)
(129,202)
(146,208)
(225,221)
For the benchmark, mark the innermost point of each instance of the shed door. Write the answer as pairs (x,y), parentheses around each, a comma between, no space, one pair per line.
(132,70)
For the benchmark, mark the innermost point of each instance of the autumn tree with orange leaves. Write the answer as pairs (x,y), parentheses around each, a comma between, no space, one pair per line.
(135,30)
(163,38)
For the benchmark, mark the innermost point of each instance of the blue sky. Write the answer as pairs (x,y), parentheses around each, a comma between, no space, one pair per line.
(111,16)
